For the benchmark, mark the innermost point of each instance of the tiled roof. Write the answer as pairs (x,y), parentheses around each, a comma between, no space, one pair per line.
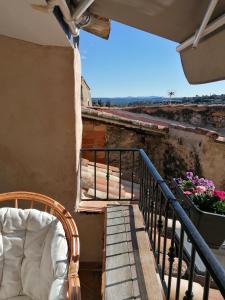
(88,185)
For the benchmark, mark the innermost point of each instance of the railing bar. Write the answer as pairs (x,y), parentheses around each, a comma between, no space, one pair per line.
(148,206)
(206,286)
(171,256)
(143,190)
(165,240)
(95,179)
(189,294)
(114,199)
(139,176)
(120,173)
(147,198)
(152,208)
(155,215)
(180,255)
(109,149)
(132,179)
(80,174)
(146,194)
(159,229)
(107,175)
(142,185)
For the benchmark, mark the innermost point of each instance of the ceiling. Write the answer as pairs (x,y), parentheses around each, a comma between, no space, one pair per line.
(19,20)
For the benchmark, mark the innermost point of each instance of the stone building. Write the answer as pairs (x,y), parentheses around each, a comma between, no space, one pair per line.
(85,93)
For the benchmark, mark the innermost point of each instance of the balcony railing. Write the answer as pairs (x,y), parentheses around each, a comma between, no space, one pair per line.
(167,224)
(121,183)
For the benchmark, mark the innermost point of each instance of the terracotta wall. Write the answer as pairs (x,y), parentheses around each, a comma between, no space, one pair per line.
(37,119)
(94,136)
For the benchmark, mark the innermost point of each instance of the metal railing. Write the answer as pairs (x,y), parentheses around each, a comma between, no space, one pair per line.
(126,161)
(169,228)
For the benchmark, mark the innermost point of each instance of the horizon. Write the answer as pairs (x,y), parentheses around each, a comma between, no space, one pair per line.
(133,62)
(156,96)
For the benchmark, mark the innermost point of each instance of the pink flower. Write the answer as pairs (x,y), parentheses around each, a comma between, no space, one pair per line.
(201,189)
(187,193)
(220,194)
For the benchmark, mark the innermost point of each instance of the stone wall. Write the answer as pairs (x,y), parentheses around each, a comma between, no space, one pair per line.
(172,153)
(198,115)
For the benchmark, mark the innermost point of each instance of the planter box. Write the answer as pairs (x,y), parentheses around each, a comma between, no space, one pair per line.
(210,225)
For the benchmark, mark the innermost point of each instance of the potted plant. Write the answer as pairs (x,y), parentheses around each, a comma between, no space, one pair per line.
(205,206)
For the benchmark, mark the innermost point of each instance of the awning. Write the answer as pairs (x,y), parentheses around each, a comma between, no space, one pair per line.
(176,20)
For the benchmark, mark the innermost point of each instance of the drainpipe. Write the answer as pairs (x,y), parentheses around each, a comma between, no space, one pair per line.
(74,21)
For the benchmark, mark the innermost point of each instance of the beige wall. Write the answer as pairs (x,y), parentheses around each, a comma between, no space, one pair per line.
(37,119)
(91,234)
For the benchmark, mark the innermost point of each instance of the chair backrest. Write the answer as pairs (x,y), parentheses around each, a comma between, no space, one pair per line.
(53,207)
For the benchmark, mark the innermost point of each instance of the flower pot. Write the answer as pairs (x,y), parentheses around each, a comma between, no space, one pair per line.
(210,225)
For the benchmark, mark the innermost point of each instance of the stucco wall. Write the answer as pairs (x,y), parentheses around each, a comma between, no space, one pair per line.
(91,234)
(37,119)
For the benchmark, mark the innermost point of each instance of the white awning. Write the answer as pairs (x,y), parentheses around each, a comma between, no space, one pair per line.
(177,20)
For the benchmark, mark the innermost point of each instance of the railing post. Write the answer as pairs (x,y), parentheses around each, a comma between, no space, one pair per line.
(171,255)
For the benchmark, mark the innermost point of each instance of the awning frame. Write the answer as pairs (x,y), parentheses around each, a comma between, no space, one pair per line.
(204,29)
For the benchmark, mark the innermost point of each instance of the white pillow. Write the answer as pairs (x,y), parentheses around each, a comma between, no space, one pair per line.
(33,255)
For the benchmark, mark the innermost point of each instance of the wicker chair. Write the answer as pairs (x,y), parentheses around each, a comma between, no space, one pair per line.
(47,204)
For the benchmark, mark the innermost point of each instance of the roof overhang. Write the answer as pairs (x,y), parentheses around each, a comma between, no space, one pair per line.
(18,19)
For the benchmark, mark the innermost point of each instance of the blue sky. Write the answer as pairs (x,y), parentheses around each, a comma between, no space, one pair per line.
(135,63)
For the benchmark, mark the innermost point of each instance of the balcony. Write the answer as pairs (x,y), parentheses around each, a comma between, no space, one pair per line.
(151,249)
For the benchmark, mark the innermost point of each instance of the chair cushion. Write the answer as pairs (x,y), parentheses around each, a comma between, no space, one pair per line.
(33,255)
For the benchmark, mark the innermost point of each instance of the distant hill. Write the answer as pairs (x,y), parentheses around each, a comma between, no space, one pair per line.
(123,101)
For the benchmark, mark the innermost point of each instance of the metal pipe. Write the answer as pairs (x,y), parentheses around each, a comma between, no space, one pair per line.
(205,21)
(71,20)
(219,22)
(66,14)
(81,8)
